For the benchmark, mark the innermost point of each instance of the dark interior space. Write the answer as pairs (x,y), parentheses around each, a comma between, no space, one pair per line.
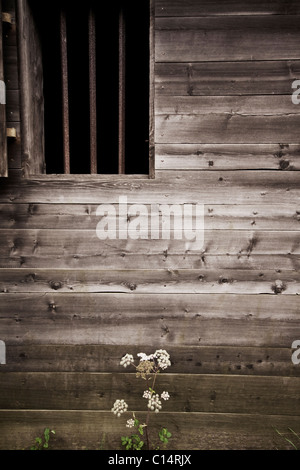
(107,85)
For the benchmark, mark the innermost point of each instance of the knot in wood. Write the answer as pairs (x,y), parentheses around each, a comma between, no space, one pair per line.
(278,287)
(55,285)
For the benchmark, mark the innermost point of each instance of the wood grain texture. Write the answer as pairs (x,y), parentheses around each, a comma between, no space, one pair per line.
(227,136)
(227,39)
(3,141)
(97,429)
(94,391)
(262,105)
(31,92)
(227,157)
(182,320)
(242,78)
(193,8)
(147,281)
(217,216)
(233,360)
(226,128)
(221,187)
(77,249)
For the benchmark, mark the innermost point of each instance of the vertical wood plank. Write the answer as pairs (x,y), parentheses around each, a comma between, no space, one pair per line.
(65,91)
(30,80)
(152,90)
(3,141)
(93,93)
(122,102)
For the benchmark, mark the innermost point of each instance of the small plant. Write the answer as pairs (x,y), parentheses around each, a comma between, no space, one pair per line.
(42,443)
(164,435)
(292,439)
(148,369)
(134,442)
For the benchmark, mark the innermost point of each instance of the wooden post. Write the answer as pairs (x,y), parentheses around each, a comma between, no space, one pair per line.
(65,91)
(122,102)
(93,93)
(3,143)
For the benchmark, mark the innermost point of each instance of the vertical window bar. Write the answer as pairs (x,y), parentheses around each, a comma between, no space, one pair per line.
(122,61)
(65,91)
(92,82)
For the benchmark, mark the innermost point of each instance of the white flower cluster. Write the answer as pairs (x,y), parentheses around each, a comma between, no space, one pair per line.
(163,358)
(165,395)
(147,394)
(154,403)
(160,355)
(144,357)
(127,360)
(120,406)
(130,423)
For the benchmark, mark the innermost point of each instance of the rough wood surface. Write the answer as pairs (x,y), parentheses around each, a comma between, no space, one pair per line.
(226,128)
(228,38)
(31,92)
(168,187)
(217,216)
(227,157)
(227,136)
(226,7)
(169,319)
(98,429)
(3,140)
(147,281)
(233,360)
(242,78)
(44,244)
(206,393)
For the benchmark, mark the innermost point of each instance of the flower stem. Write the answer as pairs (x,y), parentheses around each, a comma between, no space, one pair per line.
(148,413)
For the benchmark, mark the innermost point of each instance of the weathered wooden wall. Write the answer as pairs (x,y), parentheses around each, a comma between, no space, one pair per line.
(227,136)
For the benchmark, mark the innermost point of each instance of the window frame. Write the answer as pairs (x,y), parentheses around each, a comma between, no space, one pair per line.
(31,101)
(3,132)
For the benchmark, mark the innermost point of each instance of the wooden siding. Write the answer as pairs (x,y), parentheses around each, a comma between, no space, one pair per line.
(226,136)
(3,132)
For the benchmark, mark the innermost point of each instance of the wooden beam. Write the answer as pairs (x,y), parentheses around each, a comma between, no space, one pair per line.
(3,142)
(122,99)
(93,93)
(65,91)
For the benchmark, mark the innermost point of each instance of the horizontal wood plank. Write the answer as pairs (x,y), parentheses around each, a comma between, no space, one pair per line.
(69,311)
(261,105)
(226,78)
(67,243)
(145,281)
(168,187)
(181,320)
(227,157)
(226,128)
(227,38)
(217,216)
(19,428)
(158,261)
(226,7)
(207,393)
(233,360)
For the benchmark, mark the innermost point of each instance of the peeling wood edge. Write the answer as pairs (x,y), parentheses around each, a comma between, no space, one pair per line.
(6,18)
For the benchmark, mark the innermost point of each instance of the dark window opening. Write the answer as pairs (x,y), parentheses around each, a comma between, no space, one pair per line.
(121,131)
